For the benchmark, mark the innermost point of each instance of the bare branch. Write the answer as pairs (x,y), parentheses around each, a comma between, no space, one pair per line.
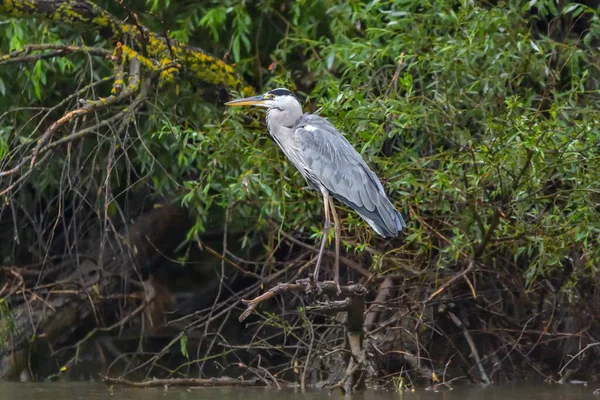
(484,378)
(452,280)
(307,287)
(24,53)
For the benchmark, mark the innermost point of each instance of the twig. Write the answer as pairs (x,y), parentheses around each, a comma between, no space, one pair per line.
(471,343)
(23,177)
(23,54)
(135,104)
(589,346)
(130,90)
(452,280)
(311,331)
(488,233)
(222,257)
(74,136)
(218,295)
(122,322)
(330,306)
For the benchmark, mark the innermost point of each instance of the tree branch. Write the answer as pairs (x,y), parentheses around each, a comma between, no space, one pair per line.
(131,89)
(24,54)
(324,287)
(152,49)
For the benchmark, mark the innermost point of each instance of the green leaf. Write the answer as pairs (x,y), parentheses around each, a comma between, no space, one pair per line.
(183,346)
(236,48)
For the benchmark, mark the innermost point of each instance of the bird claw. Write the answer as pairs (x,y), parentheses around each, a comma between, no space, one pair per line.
(311,285)
(319,288)
(303,281)
(338,287)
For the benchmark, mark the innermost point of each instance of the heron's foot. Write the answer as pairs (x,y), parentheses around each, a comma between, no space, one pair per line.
(311,285)
(316,285)
(303,281)
(337,285)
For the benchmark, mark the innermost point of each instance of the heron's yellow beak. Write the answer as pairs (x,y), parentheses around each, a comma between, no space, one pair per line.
(248,101)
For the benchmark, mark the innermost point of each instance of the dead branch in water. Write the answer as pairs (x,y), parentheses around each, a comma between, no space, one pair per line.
(187,382)
(484,378)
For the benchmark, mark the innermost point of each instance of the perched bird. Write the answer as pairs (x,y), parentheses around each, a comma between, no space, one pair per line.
(330,164)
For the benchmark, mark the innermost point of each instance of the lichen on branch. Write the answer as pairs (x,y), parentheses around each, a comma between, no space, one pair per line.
(67,11)
(159,54)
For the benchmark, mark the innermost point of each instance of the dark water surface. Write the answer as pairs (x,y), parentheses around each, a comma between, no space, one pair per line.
(93,391)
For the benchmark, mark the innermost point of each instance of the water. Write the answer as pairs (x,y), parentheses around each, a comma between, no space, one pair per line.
(93,391)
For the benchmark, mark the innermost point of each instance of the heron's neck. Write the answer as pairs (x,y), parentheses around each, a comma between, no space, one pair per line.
(278,121)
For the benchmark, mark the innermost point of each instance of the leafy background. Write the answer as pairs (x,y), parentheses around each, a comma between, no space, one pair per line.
(480,118)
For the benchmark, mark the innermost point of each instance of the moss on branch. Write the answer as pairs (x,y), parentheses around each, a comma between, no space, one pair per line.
(67,11)
(156,53)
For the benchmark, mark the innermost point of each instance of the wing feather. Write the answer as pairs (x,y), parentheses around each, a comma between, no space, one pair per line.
(329,160)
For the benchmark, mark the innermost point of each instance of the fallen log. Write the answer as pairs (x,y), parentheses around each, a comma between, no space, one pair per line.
(185,382)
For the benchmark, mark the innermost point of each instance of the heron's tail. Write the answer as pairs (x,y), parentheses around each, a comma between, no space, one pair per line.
(401,223)
(387,222)
(384,219)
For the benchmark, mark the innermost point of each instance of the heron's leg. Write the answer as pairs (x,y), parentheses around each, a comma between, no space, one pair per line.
(337,230)
(326,228)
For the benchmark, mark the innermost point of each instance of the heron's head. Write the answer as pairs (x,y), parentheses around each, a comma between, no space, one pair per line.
(280,99)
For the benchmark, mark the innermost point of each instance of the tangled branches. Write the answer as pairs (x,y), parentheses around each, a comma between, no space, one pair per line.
(91,245)
(151,60)
(86,222)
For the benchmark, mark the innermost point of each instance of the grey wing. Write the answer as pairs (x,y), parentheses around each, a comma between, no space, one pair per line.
(329,160)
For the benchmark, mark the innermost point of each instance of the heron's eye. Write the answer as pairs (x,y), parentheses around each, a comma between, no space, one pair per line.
(269,96)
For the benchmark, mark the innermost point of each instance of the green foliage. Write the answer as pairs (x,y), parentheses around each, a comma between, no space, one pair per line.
(482,128)
(183,346)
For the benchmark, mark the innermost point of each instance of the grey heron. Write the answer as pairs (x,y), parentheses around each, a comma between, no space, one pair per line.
(329,164)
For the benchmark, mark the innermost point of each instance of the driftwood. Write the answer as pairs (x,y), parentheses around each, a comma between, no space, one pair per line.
(186,382)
